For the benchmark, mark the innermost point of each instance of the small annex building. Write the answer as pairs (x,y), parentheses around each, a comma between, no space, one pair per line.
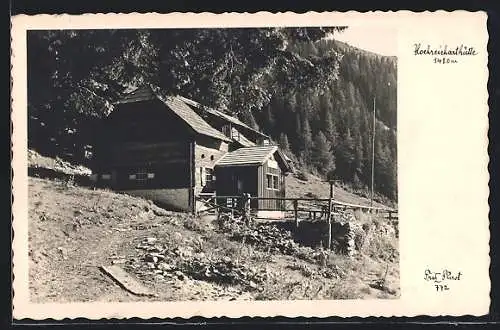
(165,148)
(259,171)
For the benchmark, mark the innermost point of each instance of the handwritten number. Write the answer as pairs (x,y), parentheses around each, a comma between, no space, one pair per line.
(441,287)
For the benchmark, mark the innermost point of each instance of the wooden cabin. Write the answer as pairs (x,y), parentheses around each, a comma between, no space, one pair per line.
(159,148)
(165,148)
(259,171)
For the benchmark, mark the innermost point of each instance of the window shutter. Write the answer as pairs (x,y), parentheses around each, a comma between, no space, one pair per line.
(202,176)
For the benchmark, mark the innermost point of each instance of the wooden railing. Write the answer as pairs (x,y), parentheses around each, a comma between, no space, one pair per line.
(315,207)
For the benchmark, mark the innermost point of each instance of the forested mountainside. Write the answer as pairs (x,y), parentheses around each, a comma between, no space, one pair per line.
(312,94)
(330,129)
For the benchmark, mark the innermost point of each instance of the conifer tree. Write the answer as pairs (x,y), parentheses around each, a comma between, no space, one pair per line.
(330,129)
(306,141)
(283,142)
(269,121)
(321,156)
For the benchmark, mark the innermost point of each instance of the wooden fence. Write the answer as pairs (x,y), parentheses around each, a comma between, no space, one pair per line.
(300,208)
(316,208)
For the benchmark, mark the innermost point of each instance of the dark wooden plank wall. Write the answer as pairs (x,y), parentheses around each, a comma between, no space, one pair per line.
(144,121)
(226,185)
(144,137)
(169,163)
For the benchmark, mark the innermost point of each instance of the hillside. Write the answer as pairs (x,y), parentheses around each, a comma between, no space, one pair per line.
(74,230)
(317,187)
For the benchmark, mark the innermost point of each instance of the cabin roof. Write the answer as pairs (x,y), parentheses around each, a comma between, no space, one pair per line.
(180,108)
(251,156)
(241,139)
(221,115)
(193,119)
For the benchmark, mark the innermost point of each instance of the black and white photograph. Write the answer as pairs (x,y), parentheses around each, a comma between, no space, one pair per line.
(230,165)
(212,164)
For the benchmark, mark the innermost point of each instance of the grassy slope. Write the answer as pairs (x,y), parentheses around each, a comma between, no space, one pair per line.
(320,188)
(74,230)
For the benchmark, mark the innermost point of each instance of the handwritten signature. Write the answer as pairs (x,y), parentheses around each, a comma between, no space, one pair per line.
(440,279)
(443,276)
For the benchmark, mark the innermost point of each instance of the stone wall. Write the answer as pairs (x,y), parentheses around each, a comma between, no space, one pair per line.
(347,234)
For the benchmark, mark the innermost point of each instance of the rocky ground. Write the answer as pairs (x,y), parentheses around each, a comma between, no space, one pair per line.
(35,160)
(73,231)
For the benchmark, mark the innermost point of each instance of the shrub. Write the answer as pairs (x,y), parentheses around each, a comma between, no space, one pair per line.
(362,217)
(382,247)
(194,225)
(343,291)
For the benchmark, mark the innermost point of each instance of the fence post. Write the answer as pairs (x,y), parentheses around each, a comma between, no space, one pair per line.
(296,211)
(214,198)
(195,206)
(330,223)
(246,208)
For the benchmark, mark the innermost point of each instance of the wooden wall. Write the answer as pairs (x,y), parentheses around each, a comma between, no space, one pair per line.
(147,121)
(265,191)
(206,152)
(149,152)
(227,181)
(166,163)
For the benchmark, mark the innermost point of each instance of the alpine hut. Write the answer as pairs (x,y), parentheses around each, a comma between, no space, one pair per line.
(166,148)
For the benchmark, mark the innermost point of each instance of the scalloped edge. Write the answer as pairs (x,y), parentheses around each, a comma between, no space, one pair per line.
(21,23)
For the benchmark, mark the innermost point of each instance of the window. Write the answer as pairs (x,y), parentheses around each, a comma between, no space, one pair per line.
(141,175)
(275,182)
(206,176)
(272,181)
(209,175)
(269,181)
(236,135)
(226,129)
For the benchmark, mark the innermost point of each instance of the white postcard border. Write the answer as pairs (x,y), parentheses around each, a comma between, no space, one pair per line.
(442,148)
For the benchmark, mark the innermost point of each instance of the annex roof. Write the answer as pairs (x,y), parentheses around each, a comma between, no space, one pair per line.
(180,108)
(252,156)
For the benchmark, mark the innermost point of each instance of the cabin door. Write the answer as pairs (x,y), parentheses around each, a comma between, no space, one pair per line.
(239,184)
